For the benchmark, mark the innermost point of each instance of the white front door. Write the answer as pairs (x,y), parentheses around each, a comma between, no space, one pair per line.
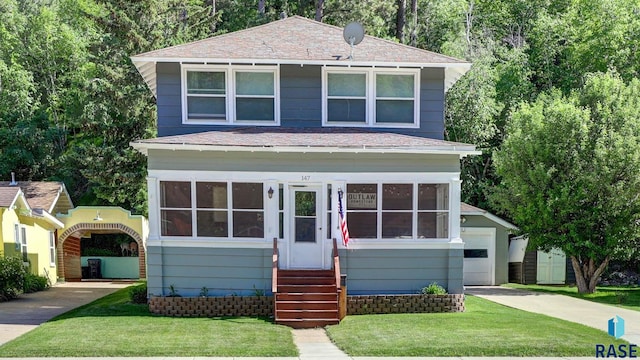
(306,240)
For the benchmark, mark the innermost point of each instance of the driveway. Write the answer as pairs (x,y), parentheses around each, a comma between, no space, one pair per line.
(30,310)
(580,311)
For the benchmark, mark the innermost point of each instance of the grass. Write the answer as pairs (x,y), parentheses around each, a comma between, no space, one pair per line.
(484,329)
(627,297)
(113,327)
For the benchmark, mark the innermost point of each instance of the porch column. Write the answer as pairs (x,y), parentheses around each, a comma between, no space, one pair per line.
(454,210)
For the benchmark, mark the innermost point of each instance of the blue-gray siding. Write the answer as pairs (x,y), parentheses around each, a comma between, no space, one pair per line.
(308,162)
(300,101)
(222,271)
(243,271)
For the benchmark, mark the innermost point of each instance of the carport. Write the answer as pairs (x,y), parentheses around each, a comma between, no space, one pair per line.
(86,220)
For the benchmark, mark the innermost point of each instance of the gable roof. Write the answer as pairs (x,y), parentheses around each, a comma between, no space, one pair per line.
(8,196)
(466,209)
(272,139)
(41,194)
(296,40)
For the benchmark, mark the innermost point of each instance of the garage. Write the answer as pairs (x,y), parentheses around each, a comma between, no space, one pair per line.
(479,256)
(486,246)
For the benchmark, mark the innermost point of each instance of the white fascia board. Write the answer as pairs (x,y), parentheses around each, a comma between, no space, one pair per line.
(51,219)
(491,217)
(141,60)
(436,150)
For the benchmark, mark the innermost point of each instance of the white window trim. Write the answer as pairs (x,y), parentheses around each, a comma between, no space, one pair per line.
(230,93)
(286,178)
(194,212)
(52,249)
(414,211)
(370,78)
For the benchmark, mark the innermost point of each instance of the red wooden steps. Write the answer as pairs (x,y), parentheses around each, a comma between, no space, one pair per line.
(306,298)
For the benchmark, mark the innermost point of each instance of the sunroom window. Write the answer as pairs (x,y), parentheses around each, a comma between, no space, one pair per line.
(225,94)
(371,97)
(396,211)
(175,208)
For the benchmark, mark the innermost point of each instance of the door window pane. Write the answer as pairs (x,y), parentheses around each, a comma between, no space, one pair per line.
(305,203)
(305,229)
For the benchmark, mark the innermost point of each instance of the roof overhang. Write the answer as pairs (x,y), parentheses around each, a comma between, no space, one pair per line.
(147,66)
(460,151)
(491,217)
(46,216)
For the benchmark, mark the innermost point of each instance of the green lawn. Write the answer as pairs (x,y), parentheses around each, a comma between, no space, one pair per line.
(626,297)
(113,327)
(485,329)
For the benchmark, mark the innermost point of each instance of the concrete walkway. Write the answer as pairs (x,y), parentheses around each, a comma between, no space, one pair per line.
(30,310)
(580,311)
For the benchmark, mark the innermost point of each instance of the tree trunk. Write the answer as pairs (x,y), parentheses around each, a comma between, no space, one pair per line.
(213,16)
(261,6)
(319,10)
(401,19)
(413,37)
(587,274)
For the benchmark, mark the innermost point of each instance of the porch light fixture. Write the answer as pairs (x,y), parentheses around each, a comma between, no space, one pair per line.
(97,218)
(270,192)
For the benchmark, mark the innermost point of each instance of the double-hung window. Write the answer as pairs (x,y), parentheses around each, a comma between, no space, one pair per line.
(239,95)
(371,97)
(52,249)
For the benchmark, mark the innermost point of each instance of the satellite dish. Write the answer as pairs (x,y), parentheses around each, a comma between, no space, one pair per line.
(353,34)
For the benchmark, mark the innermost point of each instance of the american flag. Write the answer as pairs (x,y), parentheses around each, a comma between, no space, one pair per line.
(343,220)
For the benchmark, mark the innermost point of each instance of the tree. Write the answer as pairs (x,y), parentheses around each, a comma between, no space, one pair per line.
(569,168)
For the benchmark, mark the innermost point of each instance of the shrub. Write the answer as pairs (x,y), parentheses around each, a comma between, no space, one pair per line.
(434,289)
(33,283)
(12,275)
(138,294)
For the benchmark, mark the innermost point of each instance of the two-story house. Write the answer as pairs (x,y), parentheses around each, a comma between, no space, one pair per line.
(261,131)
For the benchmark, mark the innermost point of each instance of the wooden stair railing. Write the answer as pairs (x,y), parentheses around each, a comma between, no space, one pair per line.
(274,268)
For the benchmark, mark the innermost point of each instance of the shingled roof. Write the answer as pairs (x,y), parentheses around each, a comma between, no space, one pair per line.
(294,40)
(39,194)
(304,140)
(8,196)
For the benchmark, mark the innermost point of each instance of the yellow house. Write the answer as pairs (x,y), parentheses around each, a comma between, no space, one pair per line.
(27,226)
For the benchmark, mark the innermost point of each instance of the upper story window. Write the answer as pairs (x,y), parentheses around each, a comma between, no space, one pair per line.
(371,97)
(237,95)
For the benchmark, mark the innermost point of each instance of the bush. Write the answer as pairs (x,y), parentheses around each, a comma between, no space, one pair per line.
(138,294)
(33,283)
(12,277)
(434,289)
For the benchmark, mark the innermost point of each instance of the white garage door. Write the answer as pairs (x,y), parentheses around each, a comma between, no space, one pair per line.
(479,256)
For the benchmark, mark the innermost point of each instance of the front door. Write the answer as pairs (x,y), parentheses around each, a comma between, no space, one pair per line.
(306,228)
